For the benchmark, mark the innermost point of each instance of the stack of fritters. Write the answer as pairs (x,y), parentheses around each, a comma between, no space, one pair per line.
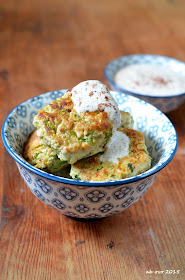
(64,137)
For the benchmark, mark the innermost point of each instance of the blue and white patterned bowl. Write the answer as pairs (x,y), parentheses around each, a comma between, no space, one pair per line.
(91,200)
(166,103)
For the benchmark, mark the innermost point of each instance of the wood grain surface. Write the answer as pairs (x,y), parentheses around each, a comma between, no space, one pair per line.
(48,45)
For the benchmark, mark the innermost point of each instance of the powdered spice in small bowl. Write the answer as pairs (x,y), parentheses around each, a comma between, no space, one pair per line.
(158,80)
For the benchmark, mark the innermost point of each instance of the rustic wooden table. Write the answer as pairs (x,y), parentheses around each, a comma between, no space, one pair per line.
(47,45)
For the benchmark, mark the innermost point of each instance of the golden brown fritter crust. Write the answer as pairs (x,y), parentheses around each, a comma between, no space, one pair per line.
(42,156)
(70,134)
(136,162)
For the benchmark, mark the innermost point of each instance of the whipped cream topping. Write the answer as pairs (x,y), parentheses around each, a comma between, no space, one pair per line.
(117,147)
(92,95)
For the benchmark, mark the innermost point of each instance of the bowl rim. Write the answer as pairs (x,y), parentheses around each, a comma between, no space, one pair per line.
(55,178)
(139,95)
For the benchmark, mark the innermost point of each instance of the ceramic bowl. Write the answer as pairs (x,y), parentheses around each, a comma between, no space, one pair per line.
(91,200)
(166,103)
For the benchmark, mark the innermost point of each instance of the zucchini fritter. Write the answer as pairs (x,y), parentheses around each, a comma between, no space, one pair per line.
(126,120)
(136,162)
(71,135)
(42,156)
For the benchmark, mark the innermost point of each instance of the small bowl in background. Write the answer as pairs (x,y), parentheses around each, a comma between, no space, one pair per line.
(91,200)
(163,103)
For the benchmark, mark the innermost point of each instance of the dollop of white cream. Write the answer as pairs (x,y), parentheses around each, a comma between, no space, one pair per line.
(92,95)
(117,147)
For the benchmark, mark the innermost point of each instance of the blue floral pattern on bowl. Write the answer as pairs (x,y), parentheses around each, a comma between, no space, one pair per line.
(165,104)
(91,200)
